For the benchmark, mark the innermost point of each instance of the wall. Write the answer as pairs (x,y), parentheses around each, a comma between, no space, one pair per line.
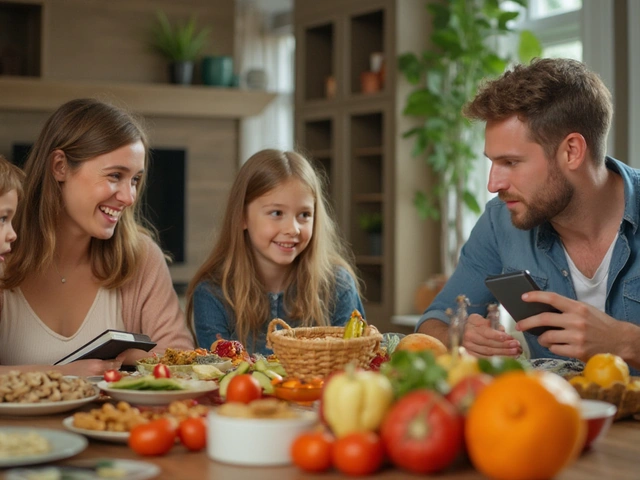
(106,41)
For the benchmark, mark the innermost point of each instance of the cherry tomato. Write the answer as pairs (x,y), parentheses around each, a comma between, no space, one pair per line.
(161,371)
(244,389)
(112,375)
(193,433)
(422,432)
(153,438)
(360,453)
(312,451)
(465,391)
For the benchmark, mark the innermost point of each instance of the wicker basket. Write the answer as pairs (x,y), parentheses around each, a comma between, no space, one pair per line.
(310,352)
(625,399)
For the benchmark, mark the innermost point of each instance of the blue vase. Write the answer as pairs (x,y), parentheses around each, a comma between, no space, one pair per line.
(217,71)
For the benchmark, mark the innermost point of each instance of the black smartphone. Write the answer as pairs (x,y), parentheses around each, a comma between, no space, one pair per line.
(508,289)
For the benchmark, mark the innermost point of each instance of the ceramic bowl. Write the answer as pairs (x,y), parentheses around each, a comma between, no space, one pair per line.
(599,416)
(255,441)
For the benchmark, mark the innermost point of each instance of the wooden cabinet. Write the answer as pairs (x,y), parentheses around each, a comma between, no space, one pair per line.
(350,123)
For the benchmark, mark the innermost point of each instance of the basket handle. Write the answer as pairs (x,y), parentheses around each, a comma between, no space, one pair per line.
(275,322)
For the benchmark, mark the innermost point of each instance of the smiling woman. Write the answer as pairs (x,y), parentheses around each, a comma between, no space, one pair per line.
(85,263)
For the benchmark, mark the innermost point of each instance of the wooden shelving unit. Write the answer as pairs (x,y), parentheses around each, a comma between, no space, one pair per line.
(356,138)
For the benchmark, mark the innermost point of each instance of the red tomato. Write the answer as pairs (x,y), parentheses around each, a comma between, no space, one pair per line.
(193,433)
(153,438)
(360,453)
(422,432)
(112,375)
(312,451)
(161,371)
(244,389)
(465,391)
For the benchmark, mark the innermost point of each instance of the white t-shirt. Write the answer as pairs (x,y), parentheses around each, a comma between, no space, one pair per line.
(592,291)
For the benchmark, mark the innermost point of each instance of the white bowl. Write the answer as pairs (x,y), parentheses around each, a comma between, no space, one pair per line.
(255,441)
(599,416)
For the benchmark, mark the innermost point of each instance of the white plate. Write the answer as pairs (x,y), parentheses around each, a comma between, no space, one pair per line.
(130,469)
(115,437)
(195,389)
(63,445)
(45,408)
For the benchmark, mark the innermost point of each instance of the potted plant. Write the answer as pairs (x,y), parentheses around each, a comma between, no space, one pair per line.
(180,44)
(463,51)
(371,223)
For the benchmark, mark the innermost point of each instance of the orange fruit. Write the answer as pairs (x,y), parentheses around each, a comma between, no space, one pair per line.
(579,380)
(605,369)
(416,342)
(525,426)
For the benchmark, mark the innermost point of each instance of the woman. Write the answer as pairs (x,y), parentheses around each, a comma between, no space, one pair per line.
(82,262)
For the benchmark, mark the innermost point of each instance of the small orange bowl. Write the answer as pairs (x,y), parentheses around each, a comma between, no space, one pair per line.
(293,390)
(599,416)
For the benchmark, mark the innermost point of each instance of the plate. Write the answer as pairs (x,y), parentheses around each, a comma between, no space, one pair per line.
(45,408)
(82,470)
(196,388)
(63,445)
(105,436)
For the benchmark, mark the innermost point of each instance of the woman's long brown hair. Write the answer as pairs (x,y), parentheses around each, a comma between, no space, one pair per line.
(83,129)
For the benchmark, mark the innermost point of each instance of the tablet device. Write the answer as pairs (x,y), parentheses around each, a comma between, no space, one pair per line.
(508,289)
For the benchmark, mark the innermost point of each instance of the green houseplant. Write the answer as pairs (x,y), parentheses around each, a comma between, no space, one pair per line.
(180,45)
(463,51)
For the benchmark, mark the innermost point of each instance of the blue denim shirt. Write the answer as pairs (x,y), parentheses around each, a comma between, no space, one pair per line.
(495,246)
(211,314)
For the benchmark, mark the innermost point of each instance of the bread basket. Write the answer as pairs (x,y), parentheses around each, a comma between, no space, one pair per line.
(310,352)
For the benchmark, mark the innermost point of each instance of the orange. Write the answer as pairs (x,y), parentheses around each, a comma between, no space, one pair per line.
(415,342)
(525,426)
(579,380)
(605,369)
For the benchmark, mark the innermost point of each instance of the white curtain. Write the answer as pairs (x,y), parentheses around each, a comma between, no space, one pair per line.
(260,46)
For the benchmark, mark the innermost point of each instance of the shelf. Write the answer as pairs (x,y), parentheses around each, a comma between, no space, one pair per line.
(369,260)
(36,94)
(367,151)
(369,198)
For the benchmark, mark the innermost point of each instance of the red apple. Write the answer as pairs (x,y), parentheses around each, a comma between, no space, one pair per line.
(112,375)
(161,371)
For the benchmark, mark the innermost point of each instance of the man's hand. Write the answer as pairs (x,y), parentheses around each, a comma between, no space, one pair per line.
(483,341)
(585,329)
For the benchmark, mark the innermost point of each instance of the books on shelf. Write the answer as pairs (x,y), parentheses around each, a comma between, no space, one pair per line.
(109,344)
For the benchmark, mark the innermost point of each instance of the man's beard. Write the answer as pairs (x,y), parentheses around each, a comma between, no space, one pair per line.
(546,203)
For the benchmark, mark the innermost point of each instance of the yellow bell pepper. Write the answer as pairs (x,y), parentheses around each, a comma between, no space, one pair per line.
(356,401)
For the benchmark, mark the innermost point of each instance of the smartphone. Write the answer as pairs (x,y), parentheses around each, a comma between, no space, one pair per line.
(508,289)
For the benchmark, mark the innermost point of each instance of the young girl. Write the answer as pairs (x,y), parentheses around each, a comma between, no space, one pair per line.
(82,262)
(10,192)
(278,255)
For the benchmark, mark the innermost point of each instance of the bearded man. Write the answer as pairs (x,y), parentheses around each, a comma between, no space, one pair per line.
(564,211)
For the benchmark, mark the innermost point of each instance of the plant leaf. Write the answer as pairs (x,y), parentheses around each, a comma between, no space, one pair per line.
(529,47)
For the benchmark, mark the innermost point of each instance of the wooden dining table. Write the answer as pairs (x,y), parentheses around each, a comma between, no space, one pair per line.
(615,456)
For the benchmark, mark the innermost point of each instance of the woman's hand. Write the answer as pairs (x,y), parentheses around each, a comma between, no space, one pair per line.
(483,341)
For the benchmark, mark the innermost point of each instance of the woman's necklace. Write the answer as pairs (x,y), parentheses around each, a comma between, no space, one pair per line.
(62,278)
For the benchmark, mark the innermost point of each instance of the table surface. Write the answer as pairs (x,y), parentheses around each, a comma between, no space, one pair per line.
(616,456)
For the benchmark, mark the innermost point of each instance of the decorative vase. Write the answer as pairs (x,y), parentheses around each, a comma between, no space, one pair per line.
(181,73)
(257,79)
(427,291)
(369,82)
(217,71)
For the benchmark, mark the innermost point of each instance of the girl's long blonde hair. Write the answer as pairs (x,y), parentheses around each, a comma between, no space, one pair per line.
(83,129)
(310,292)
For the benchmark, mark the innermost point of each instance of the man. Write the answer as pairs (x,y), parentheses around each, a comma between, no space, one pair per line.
(564,211)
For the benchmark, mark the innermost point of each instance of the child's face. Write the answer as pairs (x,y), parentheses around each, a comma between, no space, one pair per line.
(280,224)
(95,195)
(8,206)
